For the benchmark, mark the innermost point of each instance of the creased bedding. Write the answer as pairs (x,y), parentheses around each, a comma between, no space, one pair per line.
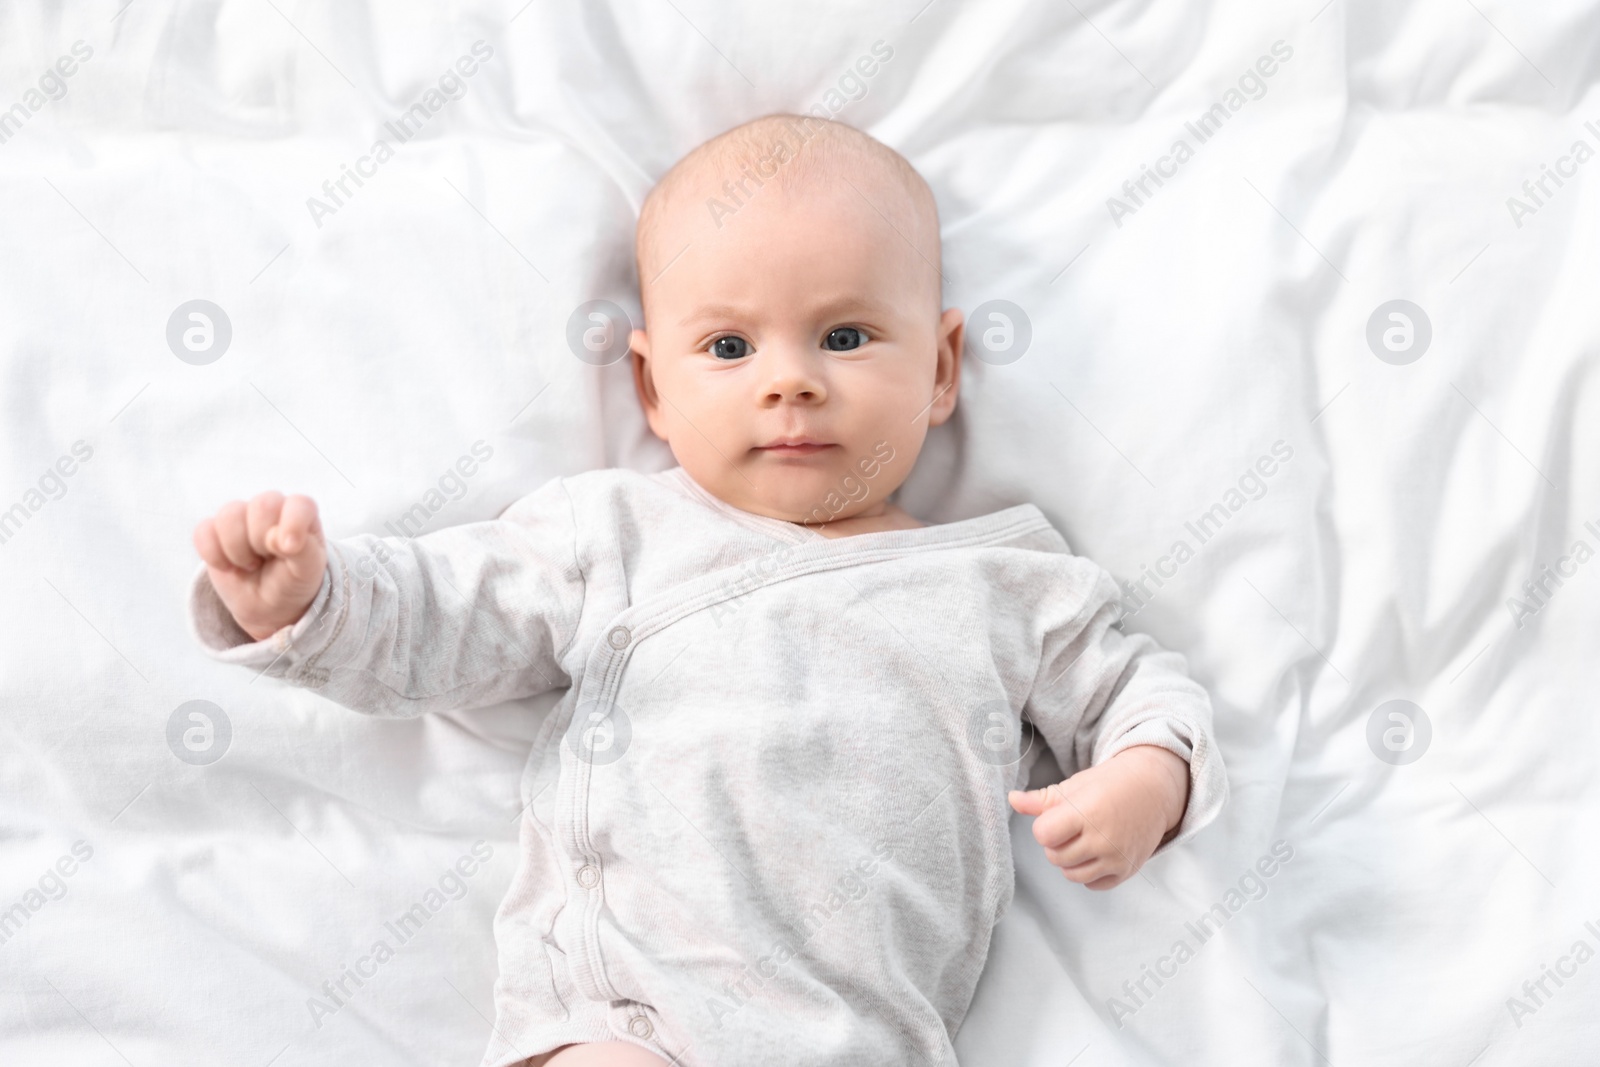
(1284,314)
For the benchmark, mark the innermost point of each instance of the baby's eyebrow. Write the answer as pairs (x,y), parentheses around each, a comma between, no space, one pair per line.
(712,311)
(843,305)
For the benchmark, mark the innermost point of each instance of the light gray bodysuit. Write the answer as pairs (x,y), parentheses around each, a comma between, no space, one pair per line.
(767,822)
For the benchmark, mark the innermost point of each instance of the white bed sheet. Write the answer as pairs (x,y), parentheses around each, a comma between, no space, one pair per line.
(1172,346)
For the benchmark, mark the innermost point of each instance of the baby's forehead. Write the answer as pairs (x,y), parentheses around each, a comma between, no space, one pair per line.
(780,159)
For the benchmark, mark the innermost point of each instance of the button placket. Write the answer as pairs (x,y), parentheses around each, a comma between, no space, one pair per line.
(584,954)
(618,637)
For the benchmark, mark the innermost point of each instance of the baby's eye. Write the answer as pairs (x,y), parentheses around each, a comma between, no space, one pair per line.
(730,348)
(844,339)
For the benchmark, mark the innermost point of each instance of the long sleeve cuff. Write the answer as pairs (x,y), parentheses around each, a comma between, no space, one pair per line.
(1208,780)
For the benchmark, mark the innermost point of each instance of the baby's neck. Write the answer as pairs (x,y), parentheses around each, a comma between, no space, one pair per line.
(889,517)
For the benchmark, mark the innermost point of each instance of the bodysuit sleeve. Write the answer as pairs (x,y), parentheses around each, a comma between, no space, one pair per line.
(466,616)
(1099,691)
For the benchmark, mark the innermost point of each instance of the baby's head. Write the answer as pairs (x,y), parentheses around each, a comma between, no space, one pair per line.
(789,273)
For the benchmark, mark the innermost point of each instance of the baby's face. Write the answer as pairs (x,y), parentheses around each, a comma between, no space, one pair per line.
(795,356)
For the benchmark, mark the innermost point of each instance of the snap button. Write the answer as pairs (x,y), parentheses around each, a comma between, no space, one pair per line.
(619,637)
(588,876)
(639,1026)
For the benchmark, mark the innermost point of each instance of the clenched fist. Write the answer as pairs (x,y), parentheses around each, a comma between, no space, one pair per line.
(265,559)
(1100,825)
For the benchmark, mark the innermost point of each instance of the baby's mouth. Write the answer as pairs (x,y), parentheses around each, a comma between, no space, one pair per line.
(795,446)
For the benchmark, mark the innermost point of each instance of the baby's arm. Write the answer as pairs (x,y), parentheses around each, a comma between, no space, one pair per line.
(466,616)
(1126,712)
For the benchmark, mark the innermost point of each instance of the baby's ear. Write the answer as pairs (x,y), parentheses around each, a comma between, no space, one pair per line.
(643,382)
(947,368)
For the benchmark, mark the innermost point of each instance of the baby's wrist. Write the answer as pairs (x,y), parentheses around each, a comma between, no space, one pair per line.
(261,628)
(1165,775)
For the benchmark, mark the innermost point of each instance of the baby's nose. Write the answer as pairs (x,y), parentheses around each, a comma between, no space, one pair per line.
(794,377)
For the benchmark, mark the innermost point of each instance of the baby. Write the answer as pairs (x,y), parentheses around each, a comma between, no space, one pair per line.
(767,822)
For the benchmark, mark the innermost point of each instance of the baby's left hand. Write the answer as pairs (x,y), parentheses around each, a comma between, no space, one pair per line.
(1100,825)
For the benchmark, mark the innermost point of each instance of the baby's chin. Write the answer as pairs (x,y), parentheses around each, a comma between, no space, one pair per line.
(793,492)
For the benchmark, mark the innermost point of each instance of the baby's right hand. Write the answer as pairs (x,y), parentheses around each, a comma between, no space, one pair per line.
(265,559)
